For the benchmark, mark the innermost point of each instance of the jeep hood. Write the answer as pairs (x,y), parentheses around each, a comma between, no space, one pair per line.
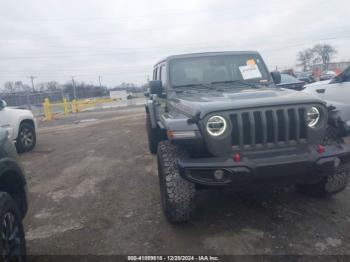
(204,102)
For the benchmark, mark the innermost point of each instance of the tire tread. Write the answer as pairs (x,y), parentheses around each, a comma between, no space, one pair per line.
(179,193)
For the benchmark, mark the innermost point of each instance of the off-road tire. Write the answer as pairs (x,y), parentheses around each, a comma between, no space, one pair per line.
(334,183)
(9,212)
(153,135)
(330,185)
(27,129)
(177,194)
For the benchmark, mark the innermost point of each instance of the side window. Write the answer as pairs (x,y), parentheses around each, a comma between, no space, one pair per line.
(158,73)
(346,76)
(163,75)
(155,71)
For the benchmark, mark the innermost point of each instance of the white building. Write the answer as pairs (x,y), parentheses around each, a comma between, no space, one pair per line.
(118,95)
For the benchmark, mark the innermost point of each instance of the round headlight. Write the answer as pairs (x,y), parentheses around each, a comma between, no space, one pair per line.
(313,116)
(216,125)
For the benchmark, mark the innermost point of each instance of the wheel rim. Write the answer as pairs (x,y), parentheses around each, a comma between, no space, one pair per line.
(11,239)
(27,137)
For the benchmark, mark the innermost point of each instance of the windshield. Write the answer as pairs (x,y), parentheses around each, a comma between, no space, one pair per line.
(288,79)
(306,74)
(211,69)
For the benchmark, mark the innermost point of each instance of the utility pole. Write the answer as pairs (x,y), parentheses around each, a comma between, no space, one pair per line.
(74,89)
(28,93)
(32,79)
(99,80)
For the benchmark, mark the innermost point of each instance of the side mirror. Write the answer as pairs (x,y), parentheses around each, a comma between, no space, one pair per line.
(3,104)
(276,77)
(156,87)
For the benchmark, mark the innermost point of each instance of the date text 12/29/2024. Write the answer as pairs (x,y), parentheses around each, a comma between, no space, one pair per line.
(173,258)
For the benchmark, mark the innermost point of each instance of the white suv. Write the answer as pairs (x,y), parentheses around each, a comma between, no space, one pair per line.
(21,126)
(335,91)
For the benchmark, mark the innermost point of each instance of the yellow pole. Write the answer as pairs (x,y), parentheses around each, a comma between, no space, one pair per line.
(74,106)
(65,106)
(47,109)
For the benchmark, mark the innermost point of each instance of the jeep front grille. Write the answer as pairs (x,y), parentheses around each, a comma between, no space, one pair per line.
(269,127)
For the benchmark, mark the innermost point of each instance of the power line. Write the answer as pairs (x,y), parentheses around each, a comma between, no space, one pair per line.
(146,51)
(168,28)
(84,19)
(163,14)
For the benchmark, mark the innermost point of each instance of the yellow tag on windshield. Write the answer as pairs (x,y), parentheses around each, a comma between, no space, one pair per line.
(250,62)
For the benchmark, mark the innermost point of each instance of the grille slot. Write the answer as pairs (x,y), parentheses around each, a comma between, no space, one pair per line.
(268,127)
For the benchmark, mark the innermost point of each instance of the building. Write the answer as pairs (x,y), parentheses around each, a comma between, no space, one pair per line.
(118,95)
(336,67)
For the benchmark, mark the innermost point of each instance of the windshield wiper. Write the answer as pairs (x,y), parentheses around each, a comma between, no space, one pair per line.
(237,82)
(193,85)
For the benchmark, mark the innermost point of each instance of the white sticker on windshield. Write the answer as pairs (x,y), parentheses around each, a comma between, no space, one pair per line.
(250,72)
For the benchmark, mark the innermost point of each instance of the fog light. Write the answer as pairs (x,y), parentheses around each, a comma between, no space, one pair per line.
(219,174)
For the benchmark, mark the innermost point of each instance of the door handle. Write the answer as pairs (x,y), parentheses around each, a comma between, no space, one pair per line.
(320,91)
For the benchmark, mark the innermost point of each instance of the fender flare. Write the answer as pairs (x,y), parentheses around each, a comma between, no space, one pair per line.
(10,165)
(337,119)
(150,110)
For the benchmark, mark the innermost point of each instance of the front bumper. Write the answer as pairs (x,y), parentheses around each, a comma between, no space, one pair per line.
(288,165)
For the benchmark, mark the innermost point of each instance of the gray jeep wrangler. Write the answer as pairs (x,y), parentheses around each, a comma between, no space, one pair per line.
(218,120)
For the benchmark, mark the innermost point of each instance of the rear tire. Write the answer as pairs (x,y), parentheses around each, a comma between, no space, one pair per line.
(177,194)
(26,138)
(153,136)
(12,239)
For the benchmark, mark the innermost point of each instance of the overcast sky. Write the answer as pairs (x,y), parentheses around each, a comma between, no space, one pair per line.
(121,40)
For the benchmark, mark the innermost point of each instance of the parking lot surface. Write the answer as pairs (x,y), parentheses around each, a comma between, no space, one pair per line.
(93,189)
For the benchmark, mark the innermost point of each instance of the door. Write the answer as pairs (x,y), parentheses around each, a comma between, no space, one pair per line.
(5,118)
(339,91)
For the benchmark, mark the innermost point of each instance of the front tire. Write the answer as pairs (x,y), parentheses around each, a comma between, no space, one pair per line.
(12,239)
(177,194)
(26,139)
(330,185)
(335,182)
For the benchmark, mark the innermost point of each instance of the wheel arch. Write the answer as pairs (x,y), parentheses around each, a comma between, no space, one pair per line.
(24,121)
(28,121)
(149,107)
(339,115)
(13,182)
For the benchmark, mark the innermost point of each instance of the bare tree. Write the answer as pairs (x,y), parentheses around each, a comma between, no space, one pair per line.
(9,87)
(53,86)
(324,53)
(305,58)
(19,86)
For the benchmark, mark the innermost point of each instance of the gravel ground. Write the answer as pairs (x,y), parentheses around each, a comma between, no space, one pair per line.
(93,189)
